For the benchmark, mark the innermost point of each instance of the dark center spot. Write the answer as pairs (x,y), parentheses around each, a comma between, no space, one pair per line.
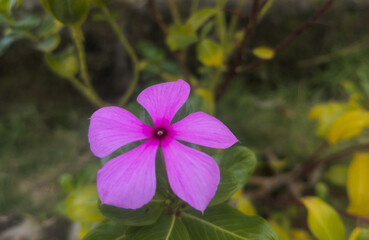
(160,132)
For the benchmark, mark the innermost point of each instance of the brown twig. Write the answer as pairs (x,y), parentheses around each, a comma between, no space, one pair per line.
(279,47)
(353,216)
(159,20)
(248,30)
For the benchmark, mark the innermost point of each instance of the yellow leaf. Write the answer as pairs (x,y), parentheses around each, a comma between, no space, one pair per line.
(359,234)
(207,97)
(323,220)
(210,53)
(265,53)
(81,205)
(326,114)
(300,234)
(358,185)
(281,233)
(348,125)
(337,174)
(245,206)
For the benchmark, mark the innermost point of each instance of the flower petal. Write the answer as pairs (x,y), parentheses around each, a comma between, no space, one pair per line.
(193,175)
(162,101)
(202,129)
(113,127)
(129,181)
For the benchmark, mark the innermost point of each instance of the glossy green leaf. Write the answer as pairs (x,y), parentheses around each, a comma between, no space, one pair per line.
(49,43)
(168,227)
(81,204)
(199,18)
(225,222)
(359,234)
(146,215)
(65,64)
(180,36)
(239,160)
(323,220)
(226,188)
(106,230)
(358,184)
(210,53)
(69,12)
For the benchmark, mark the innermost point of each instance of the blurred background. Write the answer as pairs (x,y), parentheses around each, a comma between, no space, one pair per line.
(44,119)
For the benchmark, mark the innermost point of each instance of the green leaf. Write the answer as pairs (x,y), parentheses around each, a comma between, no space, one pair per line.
(27,23)
(224,222)
(69,12)
(210,53)
(5,42)
(49,43)
(65,64)
(199,18)
(146,215)
(180,36)
(323,220)
(240,161)
(226,188)
(359,234)
(106,230)
(49,26)
(6,6)
(81,205)
(168,227)
(206,29)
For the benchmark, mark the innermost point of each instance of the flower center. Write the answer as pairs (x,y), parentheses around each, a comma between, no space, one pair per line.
(160,133)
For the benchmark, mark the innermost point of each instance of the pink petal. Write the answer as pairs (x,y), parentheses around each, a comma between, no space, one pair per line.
(193,175)
(162,101)
(114,127)
(203,129)
(128,181)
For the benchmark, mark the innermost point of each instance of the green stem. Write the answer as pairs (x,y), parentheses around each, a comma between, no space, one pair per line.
(234,20)
(220,22)
(194,6)
(135,64)
(215,80)
(174,11)
(77,36)
(90,95)
(87,90)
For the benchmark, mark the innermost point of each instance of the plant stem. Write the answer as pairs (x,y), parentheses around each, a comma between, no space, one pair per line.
(234,20)
(174,11)
(220,23)
(87,89)
(117,30)
(77,36)
(194,6)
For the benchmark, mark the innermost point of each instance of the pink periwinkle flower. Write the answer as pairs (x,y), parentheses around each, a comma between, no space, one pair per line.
(129,181)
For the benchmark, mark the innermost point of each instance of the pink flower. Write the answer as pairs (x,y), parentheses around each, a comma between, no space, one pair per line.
(129,181)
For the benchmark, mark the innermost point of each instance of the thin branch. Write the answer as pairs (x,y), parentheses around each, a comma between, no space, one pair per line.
(290,37)
(248,30)
(353,216)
